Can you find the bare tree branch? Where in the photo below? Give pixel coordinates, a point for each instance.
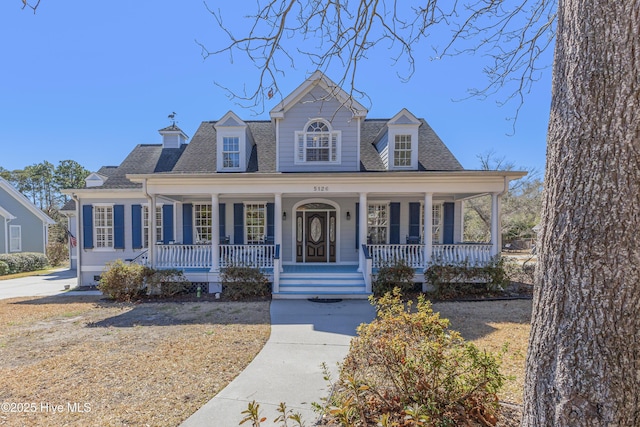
(30, 5)
(513, 34)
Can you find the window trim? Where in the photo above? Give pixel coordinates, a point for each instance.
(440, 238)
(335, 139)
(196, 234)
(13, 239)
(387, 206)
(246, 226)
(224, 151)
(397, 151)
(145, 227)
(109, 228)
(223, 133)
(401, 130)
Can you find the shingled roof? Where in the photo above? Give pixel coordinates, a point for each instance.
(145, 158)
(199, 156)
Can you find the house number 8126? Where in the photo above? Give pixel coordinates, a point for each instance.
(321, 188)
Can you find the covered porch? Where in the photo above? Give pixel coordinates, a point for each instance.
(276, 224)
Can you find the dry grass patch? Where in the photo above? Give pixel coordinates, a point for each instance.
(129, 364)
(491, 325)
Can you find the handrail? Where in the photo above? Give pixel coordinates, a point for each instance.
(365, 250)
(145, 252)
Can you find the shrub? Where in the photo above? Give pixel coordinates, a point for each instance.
(486, 278)
(121, 281)
(165, 283)
(393, 275)
(241, 282)
(4, 268)
(407, 368)
(25, 261)
(57, 253)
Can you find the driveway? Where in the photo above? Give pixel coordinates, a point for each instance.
(36, 286)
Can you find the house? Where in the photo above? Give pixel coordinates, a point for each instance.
(319, 196)
(23, 227)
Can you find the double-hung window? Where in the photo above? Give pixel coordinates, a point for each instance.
(146, 225)
(318, 143)
(402, 151)
(230, 152)
(378, 223)
(436, 223)
(15, 238)
(202, 222)
(103, 226)
(255, 222)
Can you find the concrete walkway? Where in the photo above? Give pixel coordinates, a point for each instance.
(304, 334)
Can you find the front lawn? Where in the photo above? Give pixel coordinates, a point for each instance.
(83, 361)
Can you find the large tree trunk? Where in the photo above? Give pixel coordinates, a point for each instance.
(583, 366)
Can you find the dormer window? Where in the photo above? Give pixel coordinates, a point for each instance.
(399, 147)
(402, 151)
(230, 152)
(318, 143)
(234, 144)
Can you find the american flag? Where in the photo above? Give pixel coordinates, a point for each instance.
(72, 240)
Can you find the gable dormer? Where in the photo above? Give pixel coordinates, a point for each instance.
(233, 144)
(398, 147)
(318, 128)
(173, 137)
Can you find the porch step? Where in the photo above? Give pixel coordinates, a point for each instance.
(321, 285)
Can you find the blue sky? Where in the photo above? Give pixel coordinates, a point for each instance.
(88, 81)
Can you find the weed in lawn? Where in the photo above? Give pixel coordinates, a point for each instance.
(69, 314)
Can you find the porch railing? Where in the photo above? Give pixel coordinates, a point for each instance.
(413, 254)
(200, 256)
(473, 254)
(183, 256)
(381, 255)
(260, 256)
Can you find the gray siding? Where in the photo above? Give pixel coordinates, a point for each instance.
(313, 105)
(383, 148)
(32, 228)
(3, 248)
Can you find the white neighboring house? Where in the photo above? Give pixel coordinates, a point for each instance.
(318, 197)
(23, 227)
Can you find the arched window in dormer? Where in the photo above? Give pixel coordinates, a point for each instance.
(318, 143)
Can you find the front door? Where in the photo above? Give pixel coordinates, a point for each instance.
(316, 241)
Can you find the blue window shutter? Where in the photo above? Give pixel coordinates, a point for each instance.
(136, 226)
(222, 218)
(414, 219)
(87, 226)
(447, 223)
(271, 229)
(238, 223)
(118, 226)
(167, 223)
(187, 223)
(357, 215)
(394, 223)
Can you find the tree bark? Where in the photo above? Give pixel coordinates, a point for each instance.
(583, 365)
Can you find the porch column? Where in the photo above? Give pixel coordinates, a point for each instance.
(428, 228)
(362, 230)
(495, 224)
(215, 233)
(277, 240)
(152, 231)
